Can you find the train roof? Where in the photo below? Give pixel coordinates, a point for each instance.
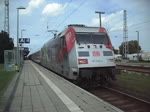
(80, 28)
(86, 29)
(77, 28)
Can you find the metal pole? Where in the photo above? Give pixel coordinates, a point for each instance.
(100, 20)
(21, 45)
(22, 33)
(6, 18)
(99, 12)
(125, 35)
(137, 45)
(18, 54)
(18, 61)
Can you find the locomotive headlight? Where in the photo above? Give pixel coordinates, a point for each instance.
(75, 71)
(83, 61)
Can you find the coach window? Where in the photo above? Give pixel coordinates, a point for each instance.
(100, 38)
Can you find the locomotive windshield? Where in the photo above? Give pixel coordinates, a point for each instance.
(92, 38)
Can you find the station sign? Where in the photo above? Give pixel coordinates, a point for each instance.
(21, 40)
(24, 40)
(27, 40)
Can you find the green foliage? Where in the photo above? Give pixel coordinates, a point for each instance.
(5, 77)
(132, 47)
(6, 43)
(116, 51)
(135, 82)
(1, 67)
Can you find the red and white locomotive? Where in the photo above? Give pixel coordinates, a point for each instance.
(79, 53)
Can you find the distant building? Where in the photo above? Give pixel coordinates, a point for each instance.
(118, 57)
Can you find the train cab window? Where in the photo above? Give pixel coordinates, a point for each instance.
(83, 38)
(99, 38)
(92, 38)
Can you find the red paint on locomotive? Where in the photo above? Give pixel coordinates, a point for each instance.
(109, 45)
(70, 39)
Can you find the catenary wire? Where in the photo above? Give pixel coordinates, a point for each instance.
(70, 14)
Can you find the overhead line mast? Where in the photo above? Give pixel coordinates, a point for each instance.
(125, 34)
(6, 17)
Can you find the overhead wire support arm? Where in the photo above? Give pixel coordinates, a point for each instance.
(54, 32)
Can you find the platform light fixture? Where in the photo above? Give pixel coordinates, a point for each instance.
(99, 12)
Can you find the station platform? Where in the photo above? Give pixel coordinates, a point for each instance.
(36, 89)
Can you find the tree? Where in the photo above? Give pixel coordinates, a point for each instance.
(116, 51)
(132, 47)
(6, 43)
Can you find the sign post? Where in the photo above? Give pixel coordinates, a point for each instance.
(22, 41)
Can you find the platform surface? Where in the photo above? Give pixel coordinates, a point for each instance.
(37, 89)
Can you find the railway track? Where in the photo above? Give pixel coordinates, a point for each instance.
(139, 69)
(121, 100)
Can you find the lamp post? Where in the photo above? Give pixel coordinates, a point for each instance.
(22, 35)
(21, 50)
(22, 32)
(99, 12)
(137, 45)
(18, 57)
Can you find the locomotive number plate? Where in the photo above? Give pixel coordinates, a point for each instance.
(97, 61)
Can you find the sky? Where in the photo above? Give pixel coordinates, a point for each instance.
(40, 16)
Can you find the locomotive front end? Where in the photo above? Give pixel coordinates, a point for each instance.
(95, 56)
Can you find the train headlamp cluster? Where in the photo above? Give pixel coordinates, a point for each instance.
(83, 61)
